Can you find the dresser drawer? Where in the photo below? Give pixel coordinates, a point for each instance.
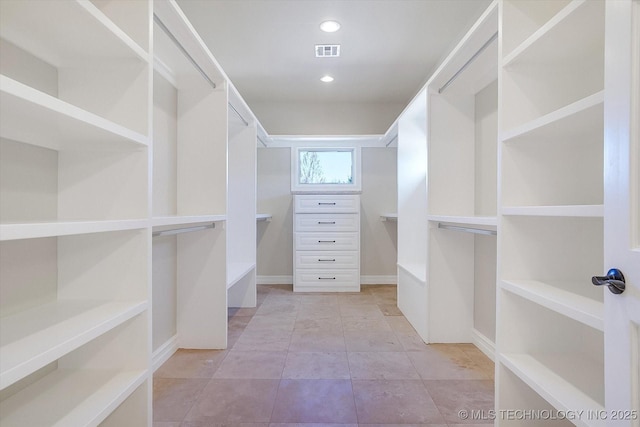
(327, 241)
(327, 278)
(327, 203)
(327, 259)
(327, 222)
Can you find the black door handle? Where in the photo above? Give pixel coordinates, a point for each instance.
(614, 280)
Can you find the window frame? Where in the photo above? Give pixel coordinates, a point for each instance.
(354, 187)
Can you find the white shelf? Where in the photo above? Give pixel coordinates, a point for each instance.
(59, 125)
(558, 39)
(587, 211)
(263, 217)
(583, 116)
(36, 337)
(70, 398)
(237, 270)
(414, 269)
(166, 221)
(577, 307)
(66, 32)
(563, 395)
(32, 230)
(479, 221)
(389, 217)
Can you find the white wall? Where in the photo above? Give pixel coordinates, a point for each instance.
(275, 238)
(297, 118)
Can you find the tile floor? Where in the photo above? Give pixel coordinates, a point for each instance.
(342, 359)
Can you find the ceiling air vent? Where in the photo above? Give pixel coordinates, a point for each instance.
(327, 50)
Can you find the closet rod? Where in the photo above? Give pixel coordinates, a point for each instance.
(246, 123)
(182, 49)
(466, 64)
(467, 229)
(392, 139)
(183, 230)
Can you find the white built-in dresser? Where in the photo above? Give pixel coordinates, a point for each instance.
(326, 243)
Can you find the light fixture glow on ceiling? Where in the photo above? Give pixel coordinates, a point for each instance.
(326, 79)
(330, 26)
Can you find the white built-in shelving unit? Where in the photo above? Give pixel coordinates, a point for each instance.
(550, 337)
(189, 188)
(447, 146)
(116, 198)
(75, 259)
(241, 199)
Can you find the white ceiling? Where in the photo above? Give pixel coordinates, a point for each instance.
(389, 49)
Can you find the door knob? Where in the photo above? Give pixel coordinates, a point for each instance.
(614, 280)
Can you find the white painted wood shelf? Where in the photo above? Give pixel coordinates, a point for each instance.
(237, 270)
(539, 373)
(477, 221)
(50, 39)
(414, 269)
(60, 125)
(586, 211)
(177, 221)
(393, 217)
(264, 217)
(36, 337)
(33, 230)
(577, 307)
(71, 398)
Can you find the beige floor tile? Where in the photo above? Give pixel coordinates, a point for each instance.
(219, 424)
(318, 300)
(191, 364)
(283, 322)
(252, 364)
(314, 401)
(403, 425)
(309, 323)
(311, 425)
(389, 309)
(394, 402)
(278, 307)
(316, 365)
(242, 312)
(166, 424)
(372, 341)
(357, 299)
(373, 322)
(327, 340)
(385, 365)
(399, 323)
(174, 397)
(263, 341)
(442, 361)
(235, 401)
(452, 396)
(360, 310)
(411, 341)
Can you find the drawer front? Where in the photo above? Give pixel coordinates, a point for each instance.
(329, 203)
(327, 278)
(327, 241)
(327, 259)
(327, 222)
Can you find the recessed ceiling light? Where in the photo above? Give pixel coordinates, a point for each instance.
(326, 79)
(330, 26)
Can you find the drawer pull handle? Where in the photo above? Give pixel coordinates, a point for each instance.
(326, 204)
(326, 278)
(326, 241)
(327, 260)
(326, 222)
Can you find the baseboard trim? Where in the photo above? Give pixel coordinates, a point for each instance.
(274, 280)
(484, 344)
(379, 280)
(164, 352)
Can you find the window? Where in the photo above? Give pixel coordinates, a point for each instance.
(325, 170)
